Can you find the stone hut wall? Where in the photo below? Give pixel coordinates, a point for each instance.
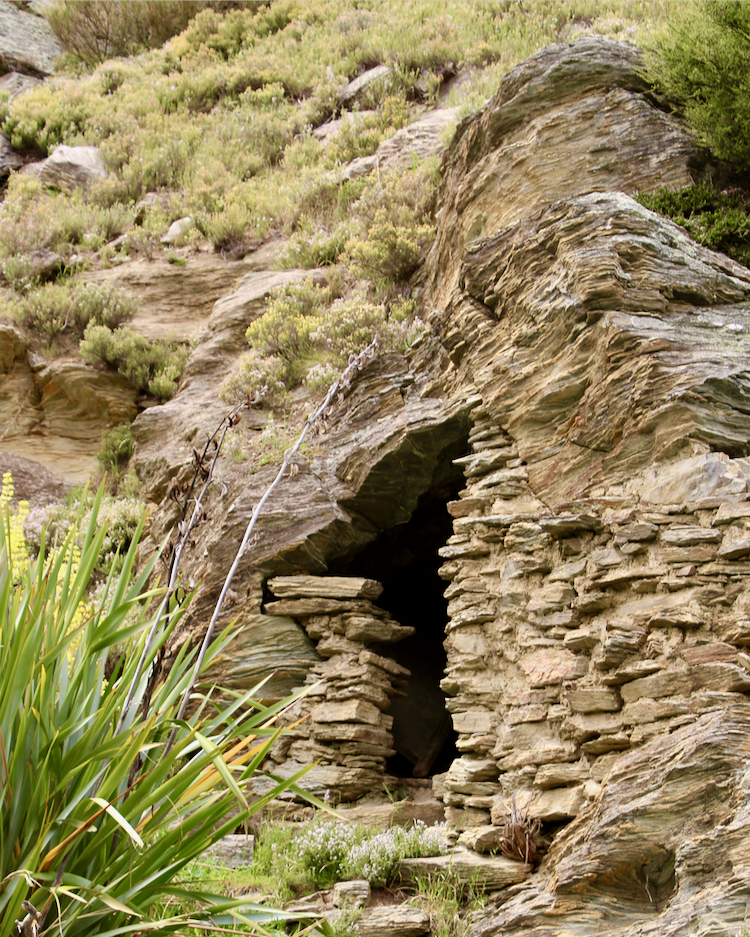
(578, 635)
(344, 725)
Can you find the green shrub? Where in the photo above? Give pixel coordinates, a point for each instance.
(307, 335)
(308, 248)
(257, 379)
(716, 219)
(389, 251)
(120, 515)
(352, 323)
(56, 308)
(335, 851)
(395, 226)
(117, 448)
(153, 367)
(93, 827)
(95, 30)
(702, 63)
(283, 331)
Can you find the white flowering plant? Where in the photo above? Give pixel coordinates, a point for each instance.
(334, 851)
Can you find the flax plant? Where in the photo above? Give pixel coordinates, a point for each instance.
(95, 820)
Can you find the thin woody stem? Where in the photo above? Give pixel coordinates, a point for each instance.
(353, 365)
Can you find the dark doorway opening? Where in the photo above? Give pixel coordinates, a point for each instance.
(405, 560)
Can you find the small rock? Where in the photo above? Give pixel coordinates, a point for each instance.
(735, 549)
(234, 851)
(690, 536)
(177, 230)
(393, 920)
(354, 894)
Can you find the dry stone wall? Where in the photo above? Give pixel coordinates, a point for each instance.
(576, 636)
(344, 725)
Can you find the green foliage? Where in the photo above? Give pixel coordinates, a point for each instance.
(94, 834)
(121, 516)
(95, 30)
(57, 308)
(352, 323)
(32, 219)
(702, 63)
(308, 334)
(153, 367)
(334, 851)
(394, 226)
(449, 902)
(283, 331)
(716, 219)
(117, 448)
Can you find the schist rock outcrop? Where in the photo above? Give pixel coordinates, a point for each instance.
(518, 558)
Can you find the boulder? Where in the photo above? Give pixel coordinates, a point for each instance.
(72, 167)
(356, 86)
(177, 231)
(15, 83)
(27, 44)
(9, 159)
(414, 143)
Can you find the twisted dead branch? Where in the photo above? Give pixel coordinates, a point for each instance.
(183, 532)
(338, 386)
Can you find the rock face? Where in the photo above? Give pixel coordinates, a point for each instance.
(55, 413)
(27, 44)
(662, 851)
(580, 404)
(175, 300)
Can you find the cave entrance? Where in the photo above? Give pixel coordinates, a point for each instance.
(405, 559)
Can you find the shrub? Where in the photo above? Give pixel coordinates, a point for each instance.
(98, 808)
(59, 307)
(334, 851)
(719, 220)
(117, 448)
(95, 30)
(153, 367)
(309, 249)
(389, 251)
(283, 331)
(234, 229)
(121, 516)
(308, 334)
(395, 226)
(256, 379)
(352, 323)
(701, 62)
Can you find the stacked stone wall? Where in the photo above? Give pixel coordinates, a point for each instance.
(344, 726)
(578, 634)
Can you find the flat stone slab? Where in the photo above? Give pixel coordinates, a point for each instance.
(324, 587)
(393, 920)
(467, 866)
